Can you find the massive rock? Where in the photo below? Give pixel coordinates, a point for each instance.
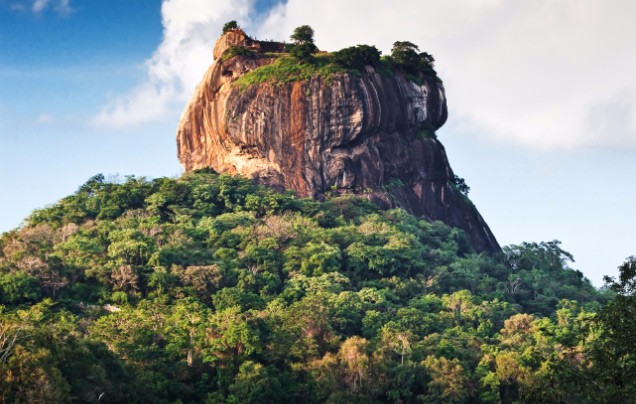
(370, 135)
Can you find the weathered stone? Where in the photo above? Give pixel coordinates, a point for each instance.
(369, 135)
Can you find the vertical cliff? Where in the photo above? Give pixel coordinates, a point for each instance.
(369, 134)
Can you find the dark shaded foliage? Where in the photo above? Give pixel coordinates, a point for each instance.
(357, 57)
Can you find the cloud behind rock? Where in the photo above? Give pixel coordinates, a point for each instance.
(175, 68)
(544, 74)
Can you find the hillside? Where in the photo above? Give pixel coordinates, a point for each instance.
(212, 288)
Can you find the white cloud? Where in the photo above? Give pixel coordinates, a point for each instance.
(44, 119)
(39, 5)
(176, 67)
(60, 6)
(546, 73)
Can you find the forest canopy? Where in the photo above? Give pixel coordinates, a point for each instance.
(211, 288)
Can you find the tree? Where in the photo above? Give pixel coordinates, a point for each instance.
(303, 34)
(547, 256)
(255, 383)
(19, 288)
(426, 64)
(460, 184)
(354, 363)
(404, 53)
(448, 383)
(357, 57)
(427, 59)
(232, 337)
(304, 47)
(625, 286)
(615, 355)
(231, 25)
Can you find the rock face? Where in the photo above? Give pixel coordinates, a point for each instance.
(370, 135)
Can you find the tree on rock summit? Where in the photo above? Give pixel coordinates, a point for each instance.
(304, 46)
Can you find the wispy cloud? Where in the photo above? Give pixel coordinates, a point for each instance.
(44, 119)
(62, 7)
(547, 74)
(176, 67)
(39, 5)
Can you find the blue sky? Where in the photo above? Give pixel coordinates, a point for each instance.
(540, 97)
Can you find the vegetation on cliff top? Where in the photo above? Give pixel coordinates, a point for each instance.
(304, 47)
(210, 288)
(303, 61)
(286, 69)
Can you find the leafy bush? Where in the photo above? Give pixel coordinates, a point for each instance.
(19, 288)
(357, 57)
(233, 51)
(286, 69)
(404, 54)
(304, 47)
(460, 185)
(228, 26)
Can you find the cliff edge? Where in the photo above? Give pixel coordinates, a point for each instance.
(367, 133)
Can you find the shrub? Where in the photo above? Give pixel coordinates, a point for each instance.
(19, 288)
(303, 34)
(404, 54)
(237, 51)
(304, 52)
(460, 185)
(304, 47)
(356, 57)
(230, 26)
(287, 69)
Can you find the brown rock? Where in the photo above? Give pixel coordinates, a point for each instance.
(367, 135)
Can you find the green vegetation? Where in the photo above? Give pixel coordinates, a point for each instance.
(233, 51)
(304, 47)
(615, 351)
(357, 57)
(228, 26)
(405, 55)
(301, 61)
(460, 185)
(286, 69)
(209, 288)
(393, 183)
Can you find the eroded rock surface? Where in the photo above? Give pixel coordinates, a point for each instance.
(370, 135)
